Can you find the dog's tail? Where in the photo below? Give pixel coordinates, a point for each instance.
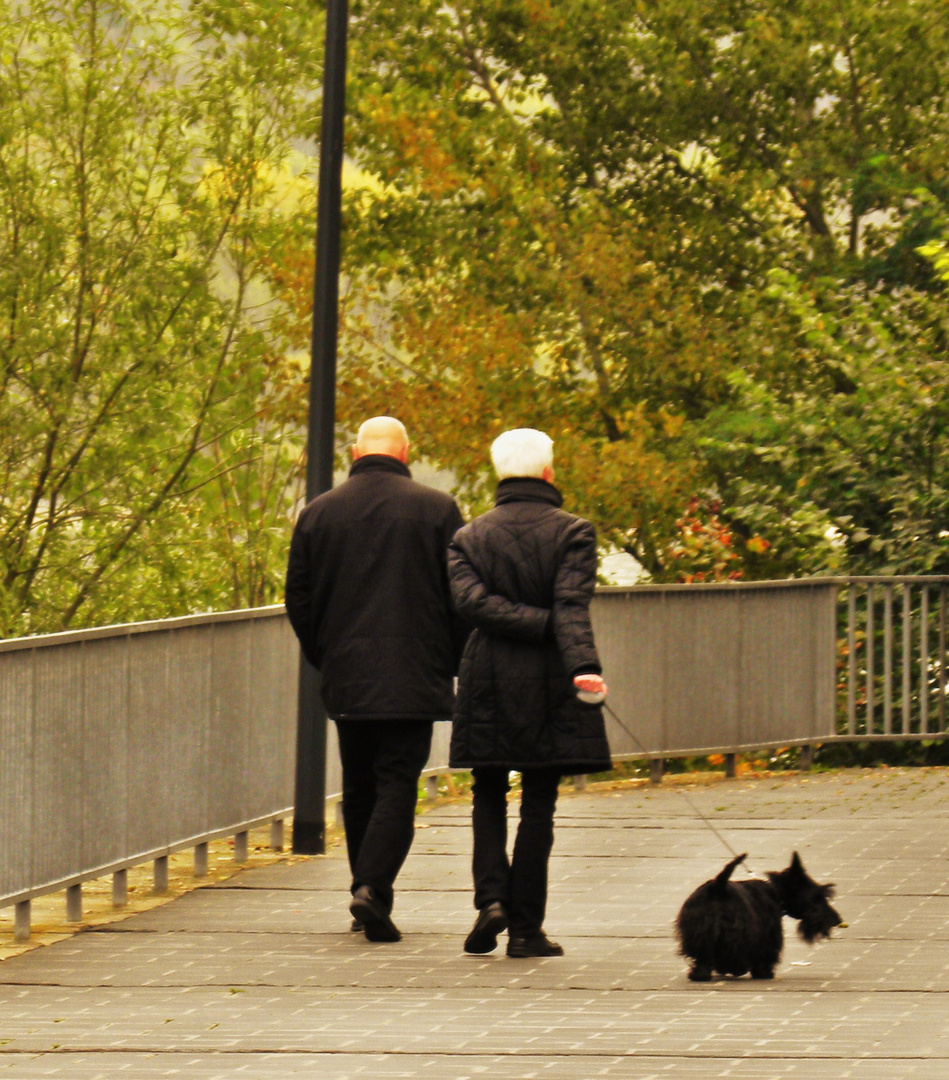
(722, 880)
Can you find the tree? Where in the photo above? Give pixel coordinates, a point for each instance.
(145, 172)
(851, 470)
(570, 220)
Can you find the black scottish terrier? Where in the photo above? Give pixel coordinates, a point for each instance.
(735, 927)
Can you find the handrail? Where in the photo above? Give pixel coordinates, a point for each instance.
(121, 630)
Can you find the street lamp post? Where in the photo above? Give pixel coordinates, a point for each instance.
(309, 819)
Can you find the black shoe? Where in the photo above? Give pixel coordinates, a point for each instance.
(536, 945)
(367, 909)
(484, 935)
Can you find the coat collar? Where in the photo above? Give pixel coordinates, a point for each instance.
(527, 489)
(380, 462)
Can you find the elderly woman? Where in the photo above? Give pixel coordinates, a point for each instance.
(529, 686)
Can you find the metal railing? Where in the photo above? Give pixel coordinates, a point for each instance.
(718, 668)
(738, 667)
(122, 745)
(892, 658)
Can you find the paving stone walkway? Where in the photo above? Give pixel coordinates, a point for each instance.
(259, 977)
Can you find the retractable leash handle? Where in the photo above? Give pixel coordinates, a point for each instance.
(591, 689)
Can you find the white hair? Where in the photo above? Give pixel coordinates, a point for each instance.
(522, 452)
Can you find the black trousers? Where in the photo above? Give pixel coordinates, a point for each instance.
(382, 761)
(520, 883)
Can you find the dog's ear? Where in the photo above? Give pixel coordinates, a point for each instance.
(796, 865)
(829, 890)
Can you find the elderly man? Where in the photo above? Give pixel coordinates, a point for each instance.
(530, 683)
(367, 594)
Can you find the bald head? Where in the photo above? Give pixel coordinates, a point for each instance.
(382, 435)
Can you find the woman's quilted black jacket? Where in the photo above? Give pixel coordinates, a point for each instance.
(523, 576)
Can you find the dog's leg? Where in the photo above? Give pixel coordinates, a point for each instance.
(700, 973)
(762, 972)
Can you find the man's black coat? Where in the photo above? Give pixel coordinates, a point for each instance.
(523, 576)
(367, 594)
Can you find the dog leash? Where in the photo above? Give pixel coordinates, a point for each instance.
(695, 809)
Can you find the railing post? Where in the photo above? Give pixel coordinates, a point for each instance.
(74, 903)
(871, 643)
(852, 659)
(907, 657)
(656, 767)
(161, 876)
(22, 920)
(120, 888)
(201, 860)
(276, 835)
(240, 847)
(924, 659)
(942, 658)
(888, 659)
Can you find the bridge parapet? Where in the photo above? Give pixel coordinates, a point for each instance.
(122, 745)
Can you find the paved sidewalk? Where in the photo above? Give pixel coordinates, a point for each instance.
(260, 977)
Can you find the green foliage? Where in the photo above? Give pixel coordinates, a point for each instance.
(850, 469)
(144, 180)
(701, 242)
(689, 239)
